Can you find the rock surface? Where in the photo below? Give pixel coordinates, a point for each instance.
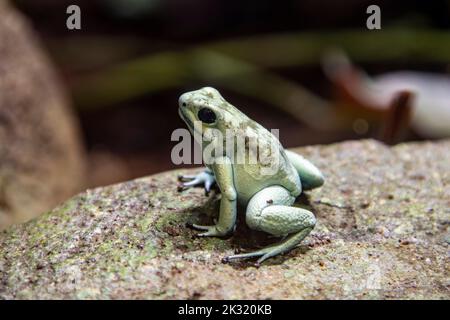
(383, 232)
(39, 138)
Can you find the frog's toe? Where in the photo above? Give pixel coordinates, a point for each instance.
(192, 183)
(265, 257)
(200, 227)
(181, 186)
(246, 255)
(264, 254)
(211, 231)
(208, 185)
(205, 179)
(184, 178)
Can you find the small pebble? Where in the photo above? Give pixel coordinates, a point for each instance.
(408, 241)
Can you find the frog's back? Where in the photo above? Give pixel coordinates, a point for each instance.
(272, 167)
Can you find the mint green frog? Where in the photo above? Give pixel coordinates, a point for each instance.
(268, 198)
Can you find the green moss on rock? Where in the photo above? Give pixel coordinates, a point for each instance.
(383, 219)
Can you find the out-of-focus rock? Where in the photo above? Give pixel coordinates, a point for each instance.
(383, 229)
(41, 158)
(358, 95)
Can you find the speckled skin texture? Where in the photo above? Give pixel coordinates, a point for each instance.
(266, 186)
(249, 178)
(382, 232)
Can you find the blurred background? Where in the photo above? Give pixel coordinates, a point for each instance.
(304, 67)
(131, 60)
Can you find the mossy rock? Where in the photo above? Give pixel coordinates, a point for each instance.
(383, 232)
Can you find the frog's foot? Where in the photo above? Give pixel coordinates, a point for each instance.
(205, 179)
(288, 244)
(210, 231)
(269, 210)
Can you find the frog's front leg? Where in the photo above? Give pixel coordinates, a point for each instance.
(205, 179)
(223, 171)
(270, 211)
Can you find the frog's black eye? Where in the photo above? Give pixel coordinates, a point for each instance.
(206, 115)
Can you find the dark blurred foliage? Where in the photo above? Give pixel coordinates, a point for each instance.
(198, 20)
(131, 137)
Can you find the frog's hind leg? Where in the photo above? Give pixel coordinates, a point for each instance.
(270, 211)
(310, 176)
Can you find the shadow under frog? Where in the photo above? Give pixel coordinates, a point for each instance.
(243, 239)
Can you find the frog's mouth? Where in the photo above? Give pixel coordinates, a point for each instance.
(196, 133)
(187, 120)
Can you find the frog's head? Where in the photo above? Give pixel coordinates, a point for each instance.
(208, 109)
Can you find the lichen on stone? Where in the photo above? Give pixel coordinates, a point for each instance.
(382, 233)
